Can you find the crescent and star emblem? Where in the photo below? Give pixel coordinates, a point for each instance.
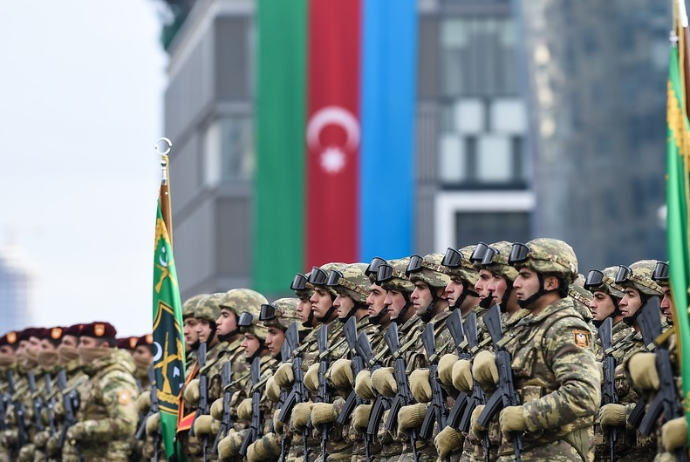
(333, 158)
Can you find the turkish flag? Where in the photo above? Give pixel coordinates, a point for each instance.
(333, 132)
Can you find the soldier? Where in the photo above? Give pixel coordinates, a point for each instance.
(127, 344)
(191, 337)
(463, 275)
(8, 344)
(107, 415)
(553, 365)
(142, 355)
(379, 313)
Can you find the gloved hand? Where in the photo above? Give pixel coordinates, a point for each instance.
(217, 409)
(612, 415)
(484, 369)
(215, 426)
(202, 425)
(642, 367)
(445, 369)
(230, 445)
(77, 432)
(462, 376)
(364, 388)
(265, 448)
(26, 453)
(53, 445)
(153, 424)
(420, 385)
(511, 420)
(323, 414)
(144, 402)
(360, 417)
(41, 439)
(447, 440)
(341, 374)
(475, 426)
(384, 382)
(674, 434)
(244, 410)
(272, 390)
(191, 392)
(277, 424)
(311, 378)
(300, 415)
(284, 377)
(411, 416)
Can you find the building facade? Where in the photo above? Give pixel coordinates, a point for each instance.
(15, 280)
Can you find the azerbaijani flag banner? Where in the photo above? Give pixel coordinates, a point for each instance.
(677, 193)
(169, 361)
(335, 134)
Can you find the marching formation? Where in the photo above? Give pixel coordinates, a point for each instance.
(489, 352)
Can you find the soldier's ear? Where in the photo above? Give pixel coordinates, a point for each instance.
(551, 283)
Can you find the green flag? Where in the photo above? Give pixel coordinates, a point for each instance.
(677, 144)
(169, 361)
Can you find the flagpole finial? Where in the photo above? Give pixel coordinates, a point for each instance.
(168, 147)
(673, 37)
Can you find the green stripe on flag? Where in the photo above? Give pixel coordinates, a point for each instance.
(678, 132)
(279, 184)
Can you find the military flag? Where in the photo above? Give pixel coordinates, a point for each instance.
(169, 360)
(677, 200)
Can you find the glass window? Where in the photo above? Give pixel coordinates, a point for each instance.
(228, 150)
(453, 159)
(469, 116)
(472, 227)
(508, 116)
(495, 160)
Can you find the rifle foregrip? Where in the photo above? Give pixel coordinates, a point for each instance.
(467, 416)
(494, 405)
(637, 413)
(428, 423)
(456, 413)
(375, 416)
(348, 407)
(391, 423)
(286, 410)
(651, 416)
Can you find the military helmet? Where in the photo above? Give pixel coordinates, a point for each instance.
(581, 296)
(281, 314)
(241, 300)
(250, 324)
(428, 269)
(495, 260)
(391, 276)
(373, 268)
(189, 305)
(318, 276)
(301, 286)
(604, 281)
(350, 280)
(639, 276)
(458, 264)
(545, 255)
(208, 307)
(660, 275)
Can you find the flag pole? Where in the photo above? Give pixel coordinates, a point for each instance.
(165, 188)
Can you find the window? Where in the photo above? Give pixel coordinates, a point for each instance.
(229, 150)
(473, 227)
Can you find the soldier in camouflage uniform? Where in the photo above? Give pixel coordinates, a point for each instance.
(142, 355)
(379, 313)
(8, 345)
(107, 415)
(553, 364)
(638, 287)
(463, 276)
(191, 337)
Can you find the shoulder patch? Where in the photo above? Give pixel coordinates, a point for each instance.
(124, 397)
(582, 338)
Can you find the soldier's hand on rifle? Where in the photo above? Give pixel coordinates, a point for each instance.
(445, 369)
(217, 409)
(612, 415)
(462, 376)
(272, 390)
(277, 424)
(203, 425)
(192, 393)
(642, 367)
(41, 439)
(244, 410)
(323, 414)
(447, 440)
(384, 382)
(284, 376)
(420, 385)
(360, 417)
(364, 388)
(340, 374)
(311, 378)
(511, 420)
(484, 369)
(78, 432)
(266, 448)
(674, 434)
(230, 445)
(153, 424)
(53, 445)
(411, 416)
(475, 426)
(300, 415)
(144, 402)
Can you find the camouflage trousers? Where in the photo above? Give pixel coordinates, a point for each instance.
(557, 451)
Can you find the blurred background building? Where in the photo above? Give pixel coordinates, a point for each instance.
(15, 280)
(534, 118)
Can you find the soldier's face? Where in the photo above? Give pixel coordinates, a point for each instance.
(91, 342)
(454, 290)
(321, 302)
(34, 345)
(667, 303)
(601, 306)
(22, 346)
(343, 305)
(227, 322)
(497, 286)
(630, 303)
(376, 300)
(421, 297)
(6, 350)
(303, 309)
(526, 284)
(481, 287)
(251, 345)
(189, 330)
(274, 341)
(70, 341)
(143, 353)
(47, 346)
(203, 330)
(396, 302)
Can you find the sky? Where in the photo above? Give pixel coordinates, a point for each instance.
(81, 104)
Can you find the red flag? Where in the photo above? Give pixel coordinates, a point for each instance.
(333, 131)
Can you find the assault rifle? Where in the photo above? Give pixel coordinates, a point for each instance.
(254, 430)
(285, 354)
(381, 402)
(608, 386)
(5, 398)
(203, 397)
(357, 366)
(322, 394)
(454, 323)
(70, 402)
(154, 409)
(403, 396)
(437, 411)
(226, 422)
(19, 413)
(505, 395)
(666, 398)
(36, 402)
(51, 404)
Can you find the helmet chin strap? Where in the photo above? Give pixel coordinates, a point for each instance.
(461, 299)
(329, 313)
(616, 312)
(485, 302)
(534, 297)
(228, 336)
(428, 314)
(309, 323)
(405, 309)
(353, 310)
(630, 320)
(506, 296)
(377, 318)
(214, 328)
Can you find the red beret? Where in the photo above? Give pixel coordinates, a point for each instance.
(98, 330)
(74, 330)
(26, 334)
(10, 338)
(145, 340)
(127, 343)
